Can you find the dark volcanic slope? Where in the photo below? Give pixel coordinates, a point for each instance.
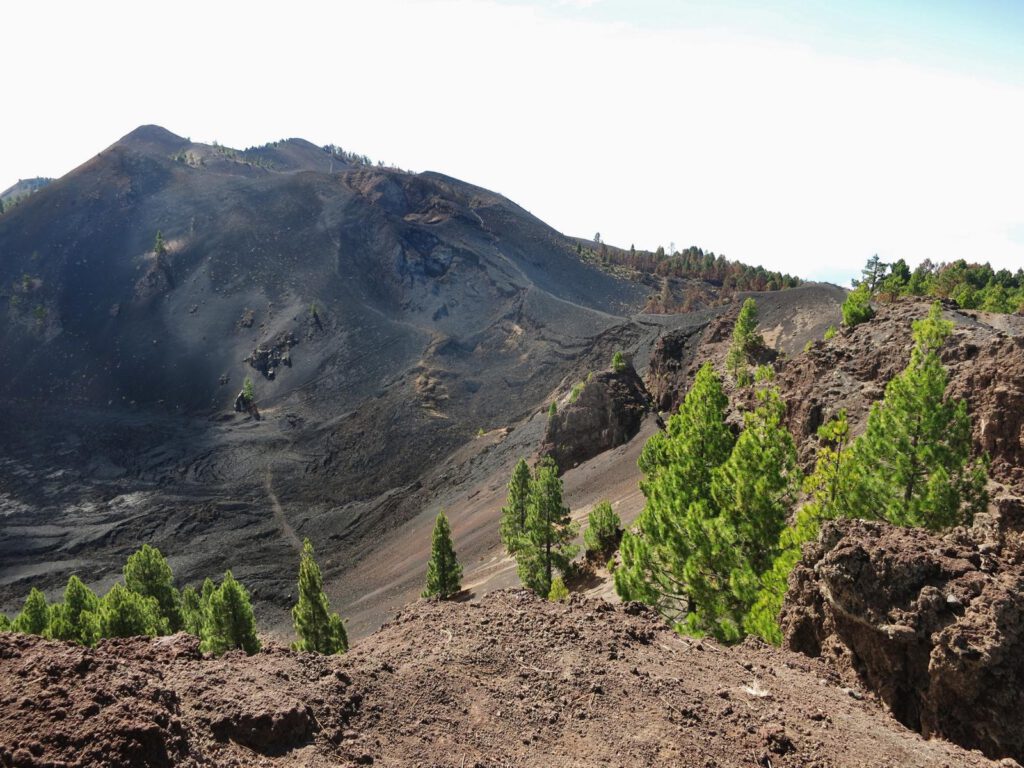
(384, 316)
(392, 261)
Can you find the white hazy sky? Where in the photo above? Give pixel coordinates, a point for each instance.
(799, 141)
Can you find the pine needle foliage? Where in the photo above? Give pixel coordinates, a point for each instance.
(914, 460)
(124, 613)
(604, 529)
(546, 545)
(677, 465)
(229, 619)
(248, 391)
(35, 614)
(828, 494)
(715, 509)
(317, 628)
(147, 573)
(77, 618)
(752, 493)
(857, 306)
(444, 574)
(746, 341)
(513, 515)
(559, 591)
(193, 611)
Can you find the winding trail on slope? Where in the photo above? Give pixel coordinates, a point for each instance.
(282, 521)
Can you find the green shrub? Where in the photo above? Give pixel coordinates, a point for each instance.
(248, 391)
(604, 529)
(559, 591)
(857, 307)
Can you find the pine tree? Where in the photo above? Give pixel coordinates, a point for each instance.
(34, 616)
(546, 544)
(192, 611)
(317, 628)
(76, 618)
(604, 528)
(828, 491)
(914, 460)
(714, 511)
(513, 514)
(248, 391)
(58, 625)
(753, 492)
(677, 466)
(208, 588)
(159, 246)
(872, 275)
(755, 488)
(745, 342)
(147, 573)
(5, 623)
(124, 613)
(618, 363)
(444, 573)
(229, 619)
(857, 307)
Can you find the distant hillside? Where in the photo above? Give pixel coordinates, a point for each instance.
(683, 281)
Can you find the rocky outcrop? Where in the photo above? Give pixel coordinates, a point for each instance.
(934, 625)
(984, 356)
(607, 413)
(243, 404)
(671, 368)
(157, 280)
(267, 358)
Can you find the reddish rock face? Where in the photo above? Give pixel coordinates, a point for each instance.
(984, 356)
(935, 626)
(607, 414)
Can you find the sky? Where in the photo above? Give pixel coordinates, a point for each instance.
(802, 136)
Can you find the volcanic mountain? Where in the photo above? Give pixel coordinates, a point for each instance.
(386, 319)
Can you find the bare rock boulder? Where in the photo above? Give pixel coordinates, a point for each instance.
(608, 413)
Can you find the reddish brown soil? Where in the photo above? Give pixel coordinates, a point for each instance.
(511, 680)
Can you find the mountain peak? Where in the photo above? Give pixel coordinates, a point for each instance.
(152, 137)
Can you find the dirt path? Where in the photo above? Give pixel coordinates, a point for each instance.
(279, 518)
